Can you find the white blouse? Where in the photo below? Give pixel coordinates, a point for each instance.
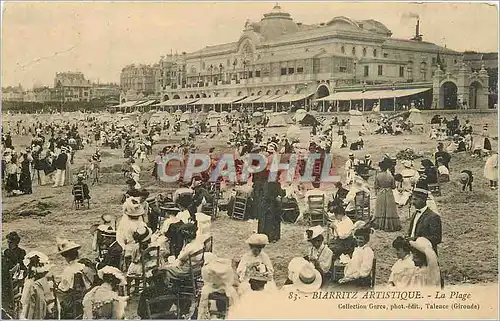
(360, 264)
(343, 228)
(402, 271)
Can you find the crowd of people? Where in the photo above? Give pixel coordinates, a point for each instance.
(161, 241)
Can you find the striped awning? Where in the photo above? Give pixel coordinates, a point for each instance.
(290, 98)
(373, 94)
(266, 99)
(146, 103)
(129, 103)
(218, 100)
(249, 99)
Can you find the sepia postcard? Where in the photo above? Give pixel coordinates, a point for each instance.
(249, 160)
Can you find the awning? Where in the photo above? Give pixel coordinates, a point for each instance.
(128, 103)
(373, 94)
(178, 102)
(218, 100)
(249, 99)
(266, 99)
(290, 98)
(147, 103)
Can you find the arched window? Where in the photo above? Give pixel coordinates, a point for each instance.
(228, 62)
(353, 51)
(203, 65)
(193, 70)
(374, 52)
(364, 52)
(342, 49)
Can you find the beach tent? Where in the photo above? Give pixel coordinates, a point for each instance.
(277, 120)
(306, 119)
(185, 116)
(416, 117)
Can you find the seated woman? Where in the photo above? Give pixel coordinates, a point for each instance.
(254, 257)
(358, 270)
(350, 199)
(37, 299)
(218, 293)
(180, 268)
(142, 238)
(404, 268)
(104, 301)
(290, 206)
(443, 172)
(343, 241)
(319, 255)
(427, 273)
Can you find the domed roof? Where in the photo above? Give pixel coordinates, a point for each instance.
(276, 23)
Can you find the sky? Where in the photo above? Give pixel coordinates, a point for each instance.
(99, 39)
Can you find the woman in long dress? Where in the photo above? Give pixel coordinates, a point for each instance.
(104, 301)
(386, 214)
(427, 272)
(491, 170)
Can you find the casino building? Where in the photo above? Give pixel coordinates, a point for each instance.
(278, 63)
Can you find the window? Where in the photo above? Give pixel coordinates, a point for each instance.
(300, 70)
(342, 49)
(283, 71)
(374, 52)
(203, 65)
(386, 55)
(257, 73)
(433, 60)
(455, 61)
(380, 70)
(353, 51)
(367, 71)
(228, 63)
(291, 71)
(342, 69)
(401, 71)
(364, 52)
(250, 74)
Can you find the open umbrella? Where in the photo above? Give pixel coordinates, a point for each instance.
(257, 114)
(301, 111)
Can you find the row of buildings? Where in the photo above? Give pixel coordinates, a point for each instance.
(279, 56)
(68, 86)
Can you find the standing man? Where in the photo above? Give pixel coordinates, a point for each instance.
(425, 222)
(60, 166)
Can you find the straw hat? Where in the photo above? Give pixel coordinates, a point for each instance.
(64, 245)
(406, 163)
(133, 207)
(106, 230)
(111, 270)
(295, 266)
(37, 261)
(308, 279)
(314, 232)
(257, 239)
(421, 244)
(107, 218)
(421, 192)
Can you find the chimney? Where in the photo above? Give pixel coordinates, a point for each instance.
(418, 36)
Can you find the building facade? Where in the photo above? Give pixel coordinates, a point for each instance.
(38, 95)
(139, 78)
(278, 56)
(71, 86)
(13, 93)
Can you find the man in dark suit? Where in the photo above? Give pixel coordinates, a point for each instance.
(339, 192)
(424, 222)
(112, 251)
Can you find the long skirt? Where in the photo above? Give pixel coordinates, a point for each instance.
(11, 183)
(386, 213)
(25, 182)
(270, 212)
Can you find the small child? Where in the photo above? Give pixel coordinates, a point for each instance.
(143, 238)
(466, 178)
(444, 173)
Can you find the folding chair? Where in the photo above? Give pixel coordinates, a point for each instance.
(362, 206)
(208, 244)
(78, 197)
(192, 287)
(145, 258)
(155, 310)
(240, 206)
(317, 214)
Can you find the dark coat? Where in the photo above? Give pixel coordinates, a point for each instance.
(112, 257)
(428, 226)
(60, 161)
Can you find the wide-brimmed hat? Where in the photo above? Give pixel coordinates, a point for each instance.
(64, 245)
(368, 156)
(351, 154)
(218, 272)
(130, 181)
(464, 177)
(258, 239)
(420, 192)
(80, 176)
(314, 232)
(37, 262)
(308, 279)
(107, 218)
(421, 244)
(421, 169)
(133, 207)
(295, 266)
(111, 270)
